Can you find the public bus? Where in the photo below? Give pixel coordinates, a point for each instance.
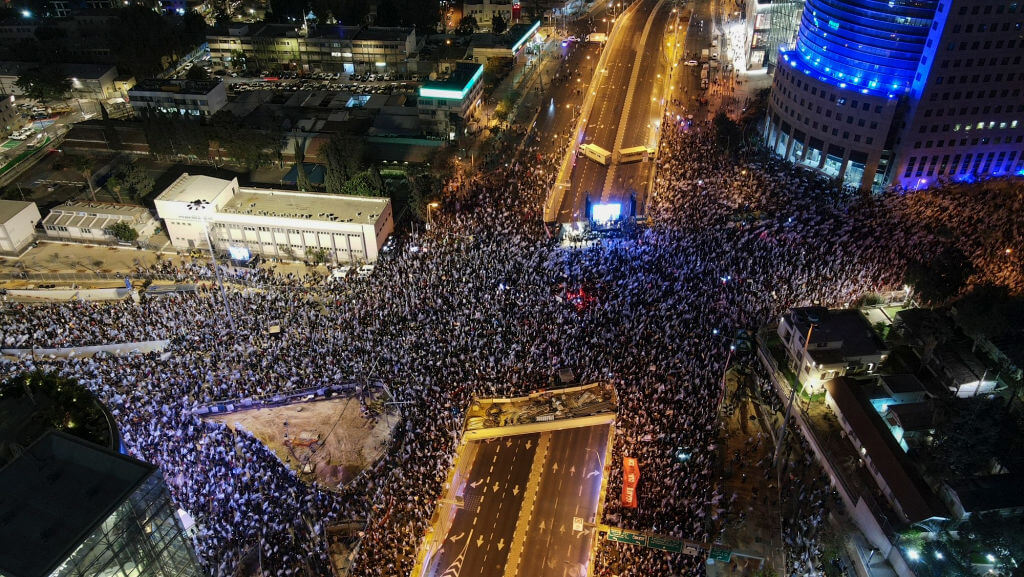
(635, 154)
(596, 153)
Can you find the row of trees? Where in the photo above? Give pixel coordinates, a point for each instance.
(143, 41)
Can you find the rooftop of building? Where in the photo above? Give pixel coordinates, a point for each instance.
(194, 187)
(902, 384)
(197, 87)
(457, 84)
(914, 416)
(338, 31)
(54, 495)
(385, 34)
(10, 208)
(306, 206)
(88, 71)
(90, 208)
(908, 489)
(846, 325)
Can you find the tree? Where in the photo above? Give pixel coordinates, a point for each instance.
(238, 60)
(133, 180)
(498, 24)
(1003, 537)
(197, 73)
(301, 179)
(967, 436)
(989, 311)
(728, 134)
(44, 83)
(467, 25)
(366, 183)
(344, 158)
(939, 279)
(316, 255)
(84, 166)
(123, 231)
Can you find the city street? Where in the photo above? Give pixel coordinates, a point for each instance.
(518, 505)
(626, 96)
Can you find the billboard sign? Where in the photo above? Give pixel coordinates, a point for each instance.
(630, 478)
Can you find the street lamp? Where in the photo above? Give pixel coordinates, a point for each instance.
(430, 220)
(199, 206)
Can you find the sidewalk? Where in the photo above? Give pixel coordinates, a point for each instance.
(750, 523)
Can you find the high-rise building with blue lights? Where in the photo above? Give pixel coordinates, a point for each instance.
(864, 94)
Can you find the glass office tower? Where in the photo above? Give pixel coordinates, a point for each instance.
(836, 90)
(74, 509)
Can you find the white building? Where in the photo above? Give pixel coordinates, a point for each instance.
(188, 97)
(445, 106)
(17, 224)
(485, 10)
(88, 221)
(842, 342)
(273, 223)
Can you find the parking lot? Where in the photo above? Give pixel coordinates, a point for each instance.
(322, 81)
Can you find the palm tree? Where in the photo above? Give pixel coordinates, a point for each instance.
(83, 164)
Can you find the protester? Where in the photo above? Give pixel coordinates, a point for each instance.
(479, 307)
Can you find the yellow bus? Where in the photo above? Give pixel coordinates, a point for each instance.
(596, 153)
(635, 154)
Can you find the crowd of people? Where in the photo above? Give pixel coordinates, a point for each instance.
(479, 307)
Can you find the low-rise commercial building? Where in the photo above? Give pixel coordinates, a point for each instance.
(484, 11)
(882, 455)
(335, 48)
(842, 342)
(446, 105)
(510, 45)
(188, 97)
(10, 118)
(89, 221)
(18, 221)
(273, 223)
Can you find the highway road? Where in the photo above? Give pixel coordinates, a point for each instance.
(571, 487)
(481, 533)
(518, 502)
(620, 118)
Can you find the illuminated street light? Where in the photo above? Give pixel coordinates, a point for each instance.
(913, 554)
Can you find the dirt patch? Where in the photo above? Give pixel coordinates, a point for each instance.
(329, 441)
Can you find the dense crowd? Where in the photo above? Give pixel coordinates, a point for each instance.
(478, 307)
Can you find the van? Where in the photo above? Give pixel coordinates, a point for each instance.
(341, 273)
(365, 270)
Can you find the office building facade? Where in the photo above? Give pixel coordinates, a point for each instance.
(273, 223)
(864, 94)
(75, 509)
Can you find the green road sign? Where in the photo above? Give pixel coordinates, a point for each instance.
(665, 544)
(722, 555)
(625, 536)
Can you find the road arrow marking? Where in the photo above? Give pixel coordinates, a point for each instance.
(592, 473)
(477, 484)
(528, 445)
(501, 545)
(480, 541)
(572, 470)
(555, 467)
(543, 525)
(508, 443)
(515, 490)
(455, 538)
(496, 486)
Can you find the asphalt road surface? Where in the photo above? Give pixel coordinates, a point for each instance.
(567, 483)
(478, 541)
(571, 487)
(612, 86)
